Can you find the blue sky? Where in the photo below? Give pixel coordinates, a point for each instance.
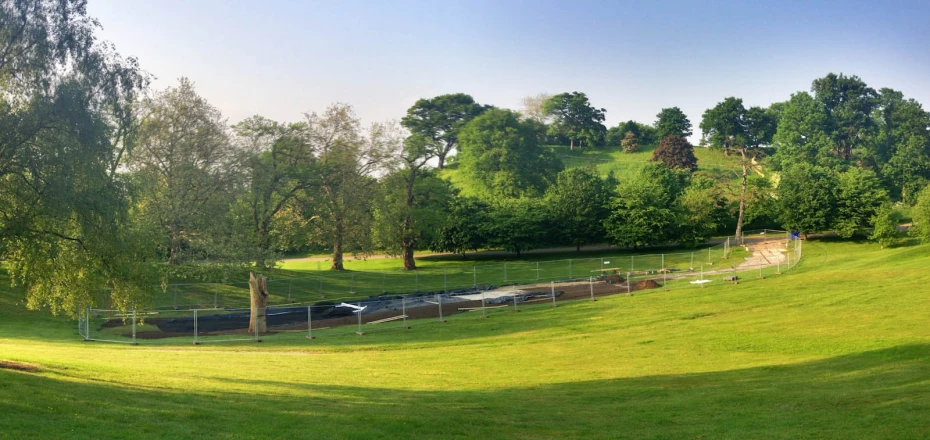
(282, 58)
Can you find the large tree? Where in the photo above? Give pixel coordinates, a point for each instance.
(859, 195)
(440, 119)
(501, 156)
(848, 103)
(730, 126)
(801, 135)
(805, 198)
(672, 122)
(900, 150)
(279, 163)
(349, 161)
(578, 204)
(184, 164)
(467, 227)
(412, 202)
(67, 115)
(575, 118)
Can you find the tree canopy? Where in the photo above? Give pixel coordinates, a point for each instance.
(575, 118)
(440, 119)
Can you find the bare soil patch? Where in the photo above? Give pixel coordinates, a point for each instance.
(10, 365)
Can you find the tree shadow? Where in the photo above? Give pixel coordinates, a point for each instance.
(875, 394)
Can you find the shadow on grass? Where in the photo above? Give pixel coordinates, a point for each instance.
(877, 394)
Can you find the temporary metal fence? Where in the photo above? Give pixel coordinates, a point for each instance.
(366, 302)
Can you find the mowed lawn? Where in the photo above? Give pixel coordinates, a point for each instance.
(838, 348)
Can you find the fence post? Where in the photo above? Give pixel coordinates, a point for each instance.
(708, 254)
(629, 283)
(134, 326)
(505, 272)
(403, 311)
(444, 281)
(196, 330)
(632, 263)
(569, 268)
(290, 284)
(552, 288)
(309, 323)
(87, 324)
(591, 284)
(474, 276)
(692, 261)
(484, 310)
(359, 313)
(439, 301)
(515, 309)
(537, 271)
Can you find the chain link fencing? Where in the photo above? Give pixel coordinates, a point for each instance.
(366, 302)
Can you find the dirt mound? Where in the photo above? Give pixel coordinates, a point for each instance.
(646, 284)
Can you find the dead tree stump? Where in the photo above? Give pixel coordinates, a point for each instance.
(258, 288)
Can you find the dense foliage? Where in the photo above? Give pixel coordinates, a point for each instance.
(101, 190)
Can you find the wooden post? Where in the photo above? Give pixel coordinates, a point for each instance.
(258, 290)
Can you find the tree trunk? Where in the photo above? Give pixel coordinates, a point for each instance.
(442, 160)
(742, 200)
(258, 289)
(577, 248)
(337, 250)
(409, 263)
(174, 248)
(571, 144)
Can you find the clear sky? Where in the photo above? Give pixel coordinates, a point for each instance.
(282, 58)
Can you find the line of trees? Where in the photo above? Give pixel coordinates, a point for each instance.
(107, 185)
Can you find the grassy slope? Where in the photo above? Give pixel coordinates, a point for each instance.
(838, 349)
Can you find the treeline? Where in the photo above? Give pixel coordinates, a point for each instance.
(106, 184)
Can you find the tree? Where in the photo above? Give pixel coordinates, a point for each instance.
(629, 142)
(578, 204)
(467, 227)
(900, 150)
(412, 202)
(348, 162)
(534, 107)
(848, 103)
(801, 135)
(440, 119)
(501, 157)
(675, 152)
(278, 164)
(184, 160)
(859, 195)
(921, 216)
(642, 213)
(672, 122)
(701, 211)
(519, 225)
(730, 126)
(805, 198)
(67, 113)
(885, 226)
(644, 134)
(575, 118)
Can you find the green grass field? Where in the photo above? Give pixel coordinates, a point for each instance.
(838, 348)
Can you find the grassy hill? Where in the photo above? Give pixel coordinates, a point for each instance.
(839, 348)
(624, 165)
